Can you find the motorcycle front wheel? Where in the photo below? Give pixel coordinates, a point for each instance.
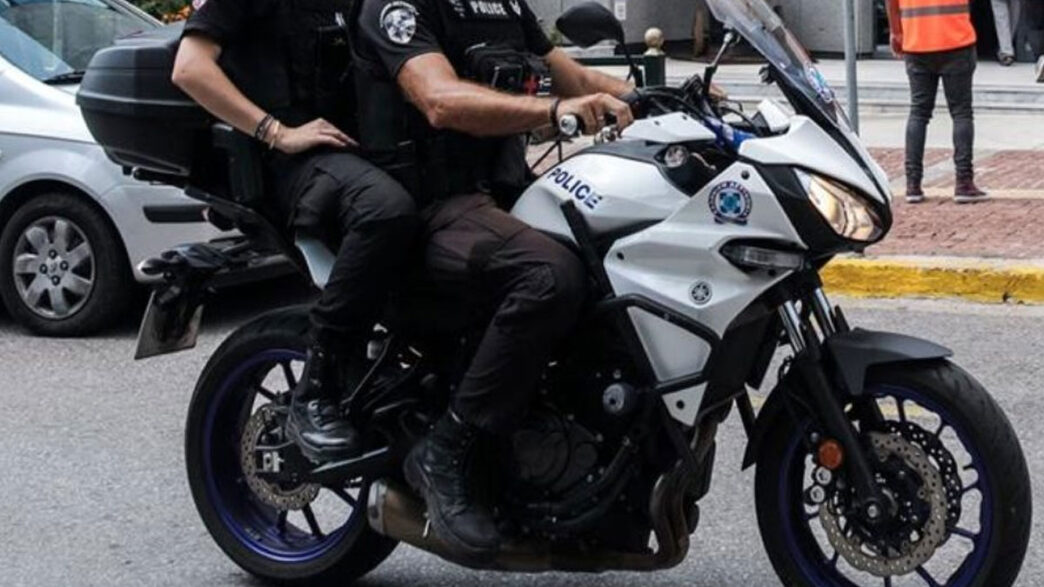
(300, 535)
(955, 476)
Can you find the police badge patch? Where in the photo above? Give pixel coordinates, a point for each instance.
(399, 21)
(730, 203)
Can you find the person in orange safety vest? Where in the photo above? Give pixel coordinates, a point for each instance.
(937, 40)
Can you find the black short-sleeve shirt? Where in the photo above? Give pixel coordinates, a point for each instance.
(224, 21)
(394, 31)
(291, 57)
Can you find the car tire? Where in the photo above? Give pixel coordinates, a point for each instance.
(52, 284)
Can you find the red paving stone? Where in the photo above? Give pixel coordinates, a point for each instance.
(1010, 229)
(1012, 170)
(894, 160)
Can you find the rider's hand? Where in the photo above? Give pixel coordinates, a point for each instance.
(593, 108)
(318, 133)
(897, 45)
(717, 93)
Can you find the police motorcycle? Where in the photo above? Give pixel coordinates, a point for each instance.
(703, 229)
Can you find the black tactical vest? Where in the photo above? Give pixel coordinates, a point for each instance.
(485, 43)
(296, 63)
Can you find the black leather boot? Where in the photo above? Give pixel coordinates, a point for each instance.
(437, 468)
(316, 423)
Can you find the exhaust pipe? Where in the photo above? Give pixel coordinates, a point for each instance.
(397, 514)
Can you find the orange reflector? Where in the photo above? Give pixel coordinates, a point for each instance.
(830, 454)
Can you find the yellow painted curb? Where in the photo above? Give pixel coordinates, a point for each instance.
(980, 281)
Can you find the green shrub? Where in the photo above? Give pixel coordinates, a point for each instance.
(162, 9)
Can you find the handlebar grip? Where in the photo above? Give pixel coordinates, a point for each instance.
(571, 125)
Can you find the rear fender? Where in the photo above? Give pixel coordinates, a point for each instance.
(850, 354)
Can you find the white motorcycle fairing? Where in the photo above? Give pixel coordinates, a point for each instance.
(677, 261)
(806, 145)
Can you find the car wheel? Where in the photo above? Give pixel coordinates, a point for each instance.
(63, 271)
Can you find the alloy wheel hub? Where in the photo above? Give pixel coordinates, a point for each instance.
(53, 267)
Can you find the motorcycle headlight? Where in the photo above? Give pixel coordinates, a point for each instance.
(846, 212)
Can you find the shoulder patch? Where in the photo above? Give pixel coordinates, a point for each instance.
(399, 21)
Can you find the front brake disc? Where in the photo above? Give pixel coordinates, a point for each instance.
(932, 534)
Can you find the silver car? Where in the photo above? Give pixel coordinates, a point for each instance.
(73, 226)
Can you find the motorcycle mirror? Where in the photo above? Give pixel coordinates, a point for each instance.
(731, 38)
(589, 23)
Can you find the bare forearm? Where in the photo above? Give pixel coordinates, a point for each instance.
(480, 111)
(448, 102)
(198, 74)
(895, 22)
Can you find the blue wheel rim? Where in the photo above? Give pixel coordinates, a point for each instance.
(253, 524)
(811, 560)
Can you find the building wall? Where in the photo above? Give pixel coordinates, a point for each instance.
(673, 16)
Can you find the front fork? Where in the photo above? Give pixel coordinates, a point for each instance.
(824, 398)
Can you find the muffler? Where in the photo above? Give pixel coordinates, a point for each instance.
(394, 512)
(399, 515)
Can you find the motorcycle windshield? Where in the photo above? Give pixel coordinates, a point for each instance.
(763, 29)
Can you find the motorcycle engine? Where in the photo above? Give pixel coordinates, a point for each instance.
(552, 453)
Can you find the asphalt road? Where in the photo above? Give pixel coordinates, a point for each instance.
(92, 488)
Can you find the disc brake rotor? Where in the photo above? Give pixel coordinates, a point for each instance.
(911, 553)
(264, 429)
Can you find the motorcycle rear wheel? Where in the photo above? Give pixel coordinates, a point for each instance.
(291, 547)
(934, 400)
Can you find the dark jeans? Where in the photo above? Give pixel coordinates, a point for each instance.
(956, 70)
(362, 214)
(483, 262)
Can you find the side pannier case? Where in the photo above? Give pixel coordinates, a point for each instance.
(136, 113)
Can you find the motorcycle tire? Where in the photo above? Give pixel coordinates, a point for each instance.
(340, 560)
(1002, 480)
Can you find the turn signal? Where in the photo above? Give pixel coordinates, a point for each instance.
(830, 455)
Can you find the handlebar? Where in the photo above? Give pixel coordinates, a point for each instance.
(572, 125)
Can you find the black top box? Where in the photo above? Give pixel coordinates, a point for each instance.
(136, 113)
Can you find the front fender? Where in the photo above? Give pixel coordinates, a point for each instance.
(852, 354)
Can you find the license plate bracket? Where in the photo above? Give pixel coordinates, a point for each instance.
(170, 327)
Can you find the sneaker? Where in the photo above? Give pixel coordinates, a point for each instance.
(1006, 60)
(914, 192)
(967, 192)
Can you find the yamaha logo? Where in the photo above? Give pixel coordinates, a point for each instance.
(701, 293)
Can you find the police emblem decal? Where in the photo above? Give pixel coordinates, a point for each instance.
(730, 203)
(399, 21)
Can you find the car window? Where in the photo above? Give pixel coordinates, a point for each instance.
(49, 39)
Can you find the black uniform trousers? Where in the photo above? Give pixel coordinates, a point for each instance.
(486, 262)
(362, 214)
